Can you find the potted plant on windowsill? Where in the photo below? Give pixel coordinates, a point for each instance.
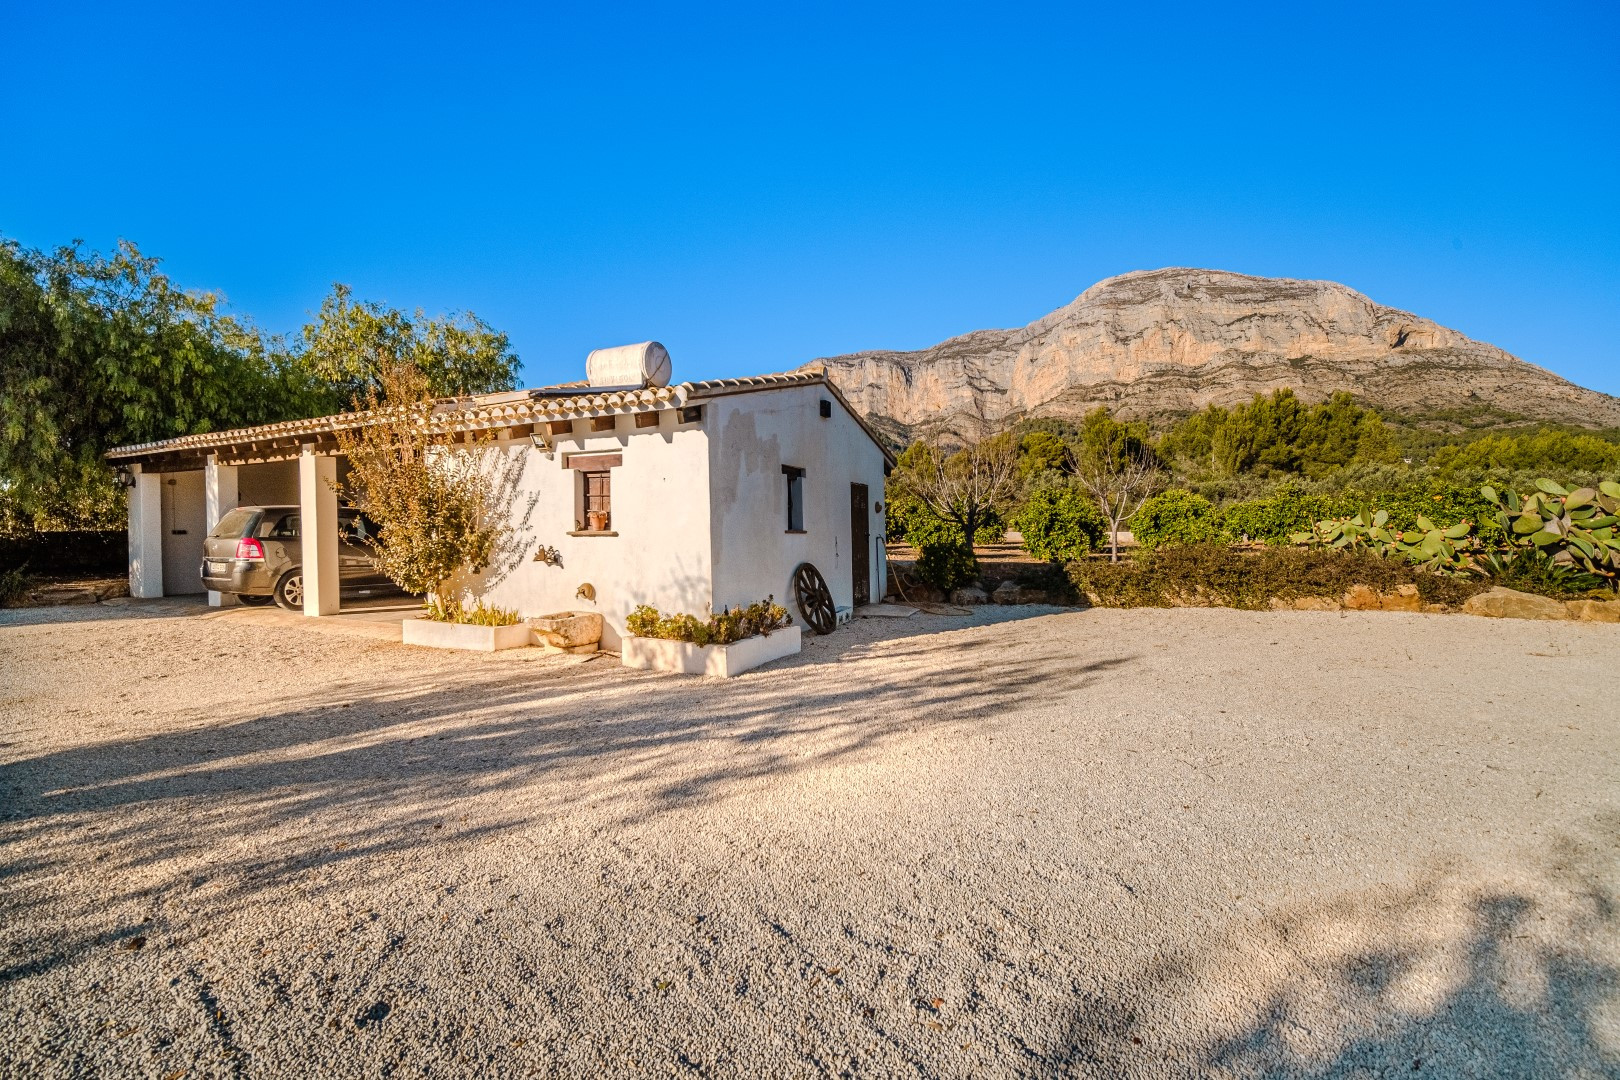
(727, 644)
(597, 521)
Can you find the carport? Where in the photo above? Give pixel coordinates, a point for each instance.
(180, 488)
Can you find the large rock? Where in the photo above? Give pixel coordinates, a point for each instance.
(1404, 598)
(969, 596)
(1362, 598)
(569, 631)
(1500, 603)
(1594, 610)
(1164, 342)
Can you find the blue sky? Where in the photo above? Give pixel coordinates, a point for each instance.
(756, 187)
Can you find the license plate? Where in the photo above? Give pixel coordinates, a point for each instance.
(216, 569)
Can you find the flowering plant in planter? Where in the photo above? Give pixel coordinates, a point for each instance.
(756, 620)
(478, 614)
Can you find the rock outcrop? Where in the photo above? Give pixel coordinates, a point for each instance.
(1159, 343)
(1500, 603)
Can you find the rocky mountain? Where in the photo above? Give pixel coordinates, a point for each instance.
(1161, 343)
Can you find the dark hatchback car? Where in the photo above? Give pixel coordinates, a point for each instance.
(256, 553)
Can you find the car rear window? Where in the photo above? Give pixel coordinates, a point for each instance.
(284, 527)
(236, 524)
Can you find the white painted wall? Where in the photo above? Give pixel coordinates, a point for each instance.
(146, 535)
(185, 525)
(267, 483)
(751, 437)
(661, 555)
(318, 531)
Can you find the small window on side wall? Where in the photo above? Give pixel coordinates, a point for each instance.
(593, 492)
(795, 498)
(597, 489)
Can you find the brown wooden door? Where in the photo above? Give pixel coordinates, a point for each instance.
(860, 544)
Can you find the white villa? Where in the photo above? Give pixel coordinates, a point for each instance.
(690, 497)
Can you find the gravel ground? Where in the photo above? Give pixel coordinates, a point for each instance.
(1020, 843)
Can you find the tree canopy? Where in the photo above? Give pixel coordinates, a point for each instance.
(352, 343)
(101, 350)
(1278, 433)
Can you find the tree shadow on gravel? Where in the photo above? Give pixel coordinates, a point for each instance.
(318, 780)
(1506, 977)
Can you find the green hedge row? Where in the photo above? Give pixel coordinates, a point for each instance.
(1178, 516)
(1219, 575)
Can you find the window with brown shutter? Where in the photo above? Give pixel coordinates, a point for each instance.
(593, 492)
(598, 500)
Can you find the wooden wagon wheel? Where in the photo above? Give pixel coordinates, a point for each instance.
(815, 599)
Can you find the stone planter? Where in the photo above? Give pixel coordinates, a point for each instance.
(658, 654)
(444, 635)
(568, 631)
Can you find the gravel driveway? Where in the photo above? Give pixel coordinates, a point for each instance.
(1020, 843)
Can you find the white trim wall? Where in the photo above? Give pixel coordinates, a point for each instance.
(146, 535)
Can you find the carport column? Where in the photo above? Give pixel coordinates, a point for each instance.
(219, 491)
(146, 534)
(318, 523)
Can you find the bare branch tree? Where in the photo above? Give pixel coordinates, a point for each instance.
(1120, 482)
(965, 486)
(439, 499)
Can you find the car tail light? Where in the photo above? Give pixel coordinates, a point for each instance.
(249, 548)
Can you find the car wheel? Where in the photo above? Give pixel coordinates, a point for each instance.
(290, 590)
(254, 601)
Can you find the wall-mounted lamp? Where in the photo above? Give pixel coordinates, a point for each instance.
(124, 477)
(542, 443)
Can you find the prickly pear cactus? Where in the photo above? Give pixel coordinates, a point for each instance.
(1578, 528)
(1366, 531)
(1450, 550)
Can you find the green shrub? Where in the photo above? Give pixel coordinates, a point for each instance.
(759, 619)
(909, 520)
(946, 566)
(943, 559)
(1444, 504)
(1217, 575)
(1274, 520)
(1294, 510)
(14, 585)
(902, 513)
(991, 529)
(1060, 524)
(1175, 517)
(479, 614)
(1545, 449)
